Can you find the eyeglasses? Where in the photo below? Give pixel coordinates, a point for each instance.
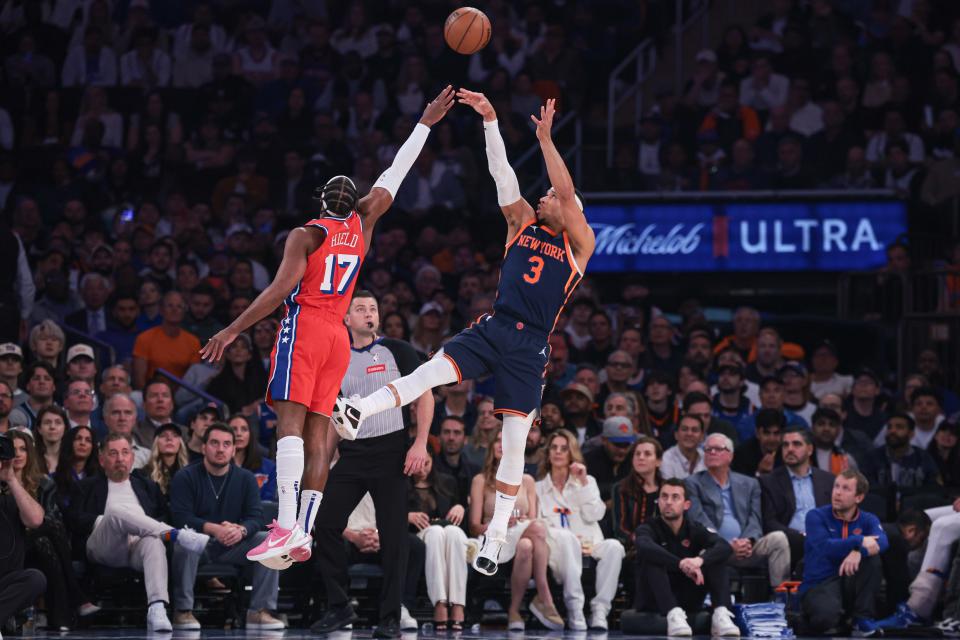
(715, 449)
(81, 392)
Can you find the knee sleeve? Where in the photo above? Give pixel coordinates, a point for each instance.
(514, 442)
(437, 372)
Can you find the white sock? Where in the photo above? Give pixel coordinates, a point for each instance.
(434, 373)
(309, 504)
(502, 510)
(289, 474)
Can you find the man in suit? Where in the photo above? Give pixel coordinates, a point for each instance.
(790, 491)
(117, 516)
(729, 503)
(92, 318)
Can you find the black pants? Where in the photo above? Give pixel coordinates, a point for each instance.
(19, 590)
(896, 571)
(374, 465)
(416, 559)
(796, 541)
(48, 550)
(826, 605)
(660, 589)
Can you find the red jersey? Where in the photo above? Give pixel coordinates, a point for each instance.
(327, 284)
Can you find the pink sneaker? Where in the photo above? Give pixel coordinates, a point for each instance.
(281, 542)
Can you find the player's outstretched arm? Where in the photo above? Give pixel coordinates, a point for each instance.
(375, 204)
(515, 209)
(575, 221)
(295, 252)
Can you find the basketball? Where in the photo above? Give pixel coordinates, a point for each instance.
(467, 30)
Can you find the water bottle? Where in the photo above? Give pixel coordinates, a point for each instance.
(29, 624)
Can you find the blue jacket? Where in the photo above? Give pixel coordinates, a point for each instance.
(193, 503)
(830, 539)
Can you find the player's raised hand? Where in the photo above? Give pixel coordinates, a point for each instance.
(478, 102)
(213, 350)
(545, 123)
(438, 107)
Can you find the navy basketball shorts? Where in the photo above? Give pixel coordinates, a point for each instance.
(515, 354)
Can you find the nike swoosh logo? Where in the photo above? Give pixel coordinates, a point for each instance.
(276, 543)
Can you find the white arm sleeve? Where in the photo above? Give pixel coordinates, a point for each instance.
(508, 189)
(406, 155)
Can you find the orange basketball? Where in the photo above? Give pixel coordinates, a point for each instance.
(467, 30)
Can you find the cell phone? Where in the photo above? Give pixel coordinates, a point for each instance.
(127, 215)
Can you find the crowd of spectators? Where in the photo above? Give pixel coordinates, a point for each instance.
(164, 150)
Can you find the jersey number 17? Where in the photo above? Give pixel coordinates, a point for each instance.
(347, 263)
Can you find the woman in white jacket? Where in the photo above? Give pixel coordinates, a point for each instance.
(570, 501)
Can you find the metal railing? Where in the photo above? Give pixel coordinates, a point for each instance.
(889, 296)
(572, 156)
(689, 15)
(201, 397)
(642, 61)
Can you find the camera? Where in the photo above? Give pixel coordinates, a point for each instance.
(7, 451)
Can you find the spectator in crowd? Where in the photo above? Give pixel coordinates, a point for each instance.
(826, 433)
(40, 387)
(792, 490)
(90, 63)
(456, 402)
(771, 397)
(898, 468)
(760, 454)
(696, 403)
(120, 416)
(166, 346)
(769, 346)
(222, 501)
(526, 541)
(122, 331)
(20, 586)
(570, 501)
(81, 364)
(841, 572)
(11, 366)
(823, 375)
(619, 369)
(679, 562)
(451, 459)
(853, 442)
(730, 119)
(50, 427)
(864, 413)
(635, 497)
(92, 318)
(926, 407)
(201, 419)
(729, 503)
(247, 455)
(47, 343)
(901, 564)
(200, 320)
(796, 390)
(158, 410)
(533, 452)
(436, 516)
(730, 402)
(944, 451)
(78, 402)
(658, 390)
(484, 433)
(763, 89)
(578, 411)
(48, 546)
(122, 509)
(78, 460)
(608, 463)
(662, 354)
(168, 455)
(686, 457)
(241, 382)
(6, 406)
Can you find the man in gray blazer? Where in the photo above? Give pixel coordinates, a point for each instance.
(729, 503)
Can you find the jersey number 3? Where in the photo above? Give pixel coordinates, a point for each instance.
(536, 266)
(345, 261)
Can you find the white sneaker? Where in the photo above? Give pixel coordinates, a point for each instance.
(489, 553)
(407, 621)
(346, 417)
(598, 619)
(157, 620)
(677, 624)
(191, 540)
(575, 620)
(722, 624)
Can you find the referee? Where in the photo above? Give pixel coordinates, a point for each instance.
(376, 462)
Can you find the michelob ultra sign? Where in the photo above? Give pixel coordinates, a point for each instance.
(836, 235)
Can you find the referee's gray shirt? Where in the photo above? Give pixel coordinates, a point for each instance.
(372, 367)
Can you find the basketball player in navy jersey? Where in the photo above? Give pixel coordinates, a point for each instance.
(546, 252)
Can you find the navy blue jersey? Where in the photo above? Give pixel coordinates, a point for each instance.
(537, 277)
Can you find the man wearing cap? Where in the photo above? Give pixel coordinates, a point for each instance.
(11, 366)
(578, 410)
(165, 347)
(824, 377)
(429, 332)
(82, 363)
(608, 464)
(92, 318)
(796, 392)
(864, 412)
(704, 86)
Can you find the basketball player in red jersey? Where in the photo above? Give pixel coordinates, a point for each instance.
(315, 281)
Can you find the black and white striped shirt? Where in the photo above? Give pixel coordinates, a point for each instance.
(372, 367)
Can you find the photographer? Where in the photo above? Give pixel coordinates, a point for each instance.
(19, 587)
